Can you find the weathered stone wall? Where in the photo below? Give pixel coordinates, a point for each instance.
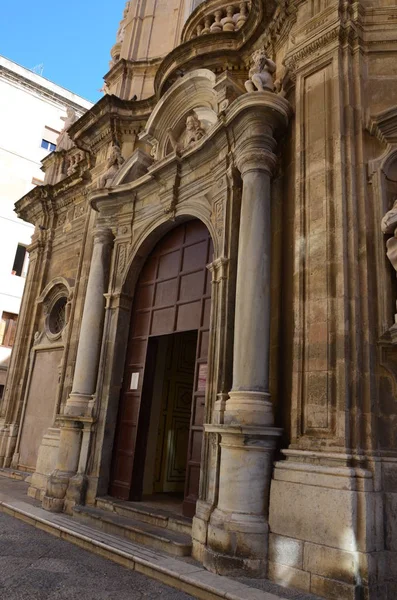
(333, 367)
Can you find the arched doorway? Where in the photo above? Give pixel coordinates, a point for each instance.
(160, 420)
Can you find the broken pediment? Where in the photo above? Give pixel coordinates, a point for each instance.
(184, 115)
(133, 168)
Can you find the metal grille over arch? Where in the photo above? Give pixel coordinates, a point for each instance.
(173, 294)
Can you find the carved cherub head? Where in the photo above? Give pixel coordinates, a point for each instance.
(261, 61)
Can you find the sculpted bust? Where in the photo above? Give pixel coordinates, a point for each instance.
(192, 134)
(261, 73)
(114, 162)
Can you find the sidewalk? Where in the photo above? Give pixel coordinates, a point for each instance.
(185, 574)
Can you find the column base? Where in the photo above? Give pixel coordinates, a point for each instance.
(237, 535)
(78, 405)
(46, 463)
(8, 440)
(76, 492)
(248, 408)
(57, 484)
(237, 544)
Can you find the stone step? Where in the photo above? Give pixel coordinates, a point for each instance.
(158, 538)
(15, 474)
(147, 514)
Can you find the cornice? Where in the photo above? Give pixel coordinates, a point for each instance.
(109, 110)
(280, 25)
(49, 199)
(124, 66)
(383, 126)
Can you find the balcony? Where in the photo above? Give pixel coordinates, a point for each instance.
(217, 32)
(216, 17)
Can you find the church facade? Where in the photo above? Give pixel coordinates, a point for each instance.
(209, 311)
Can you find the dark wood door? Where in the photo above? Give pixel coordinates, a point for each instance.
(175, 411)
(173, 294)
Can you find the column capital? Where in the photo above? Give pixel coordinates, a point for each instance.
(256, 159)
(103, 235)
(256, 153)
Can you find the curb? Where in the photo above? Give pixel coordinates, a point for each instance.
(189, 578)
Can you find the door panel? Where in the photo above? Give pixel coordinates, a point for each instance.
(173, 432)
(172, 295)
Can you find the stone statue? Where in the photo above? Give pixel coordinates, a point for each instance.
(64, 142)
(389, 227)
(193, 133)
(261, 73)
(114, 163)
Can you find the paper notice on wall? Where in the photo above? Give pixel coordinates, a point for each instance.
(134, 381)
(202, 378)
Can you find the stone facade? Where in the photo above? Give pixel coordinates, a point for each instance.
(25, 141)
(279, 134)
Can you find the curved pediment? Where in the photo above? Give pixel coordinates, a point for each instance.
(192, 98)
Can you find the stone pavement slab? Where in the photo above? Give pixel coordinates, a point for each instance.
(186, 575)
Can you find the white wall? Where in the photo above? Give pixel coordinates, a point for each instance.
(28, 103)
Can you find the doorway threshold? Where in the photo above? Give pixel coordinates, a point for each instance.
(154, 510)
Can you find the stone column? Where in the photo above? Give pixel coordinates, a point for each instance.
(86, 369)
(238, 529)
(249, 400)
(78, 409)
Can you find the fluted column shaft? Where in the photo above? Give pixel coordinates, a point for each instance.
(86, 369)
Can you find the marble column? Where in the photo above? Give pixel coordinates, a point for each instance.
(238, 528)
(65, 486)
(90, 339)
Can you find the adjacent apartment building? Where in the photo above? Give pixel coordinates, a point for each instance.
(31, 113)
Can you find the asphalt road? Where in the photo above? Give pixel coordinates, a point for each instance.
(34, 565)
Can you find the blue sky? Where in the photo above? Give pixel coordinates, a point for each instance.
(71, 39)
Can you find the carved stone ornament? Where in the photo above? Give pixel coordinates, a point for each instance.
(256, 159)
(192, 134)
(114, 162)
(261, 73)
(64, 142)
(74, 162)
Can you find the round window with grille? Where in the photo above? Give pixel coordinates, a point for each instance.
(57, 317)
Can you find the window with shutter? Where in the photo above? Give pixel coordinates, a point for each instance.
(8, 327)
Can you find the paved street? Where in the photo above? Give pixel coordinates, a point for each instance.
(34, 565)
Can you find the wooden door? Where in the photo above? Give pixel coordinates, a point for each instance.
(176, 405)
(173, 294)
